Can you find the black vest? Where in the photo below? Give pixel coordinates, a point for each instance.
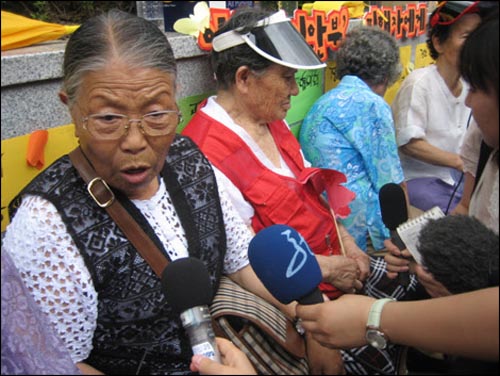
(136, 328)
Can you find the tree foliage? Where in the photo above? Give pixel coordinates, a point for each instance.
(65, 12)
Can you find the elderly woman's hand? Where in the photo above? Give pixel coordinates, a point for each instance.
(362, 259)
(340, 271)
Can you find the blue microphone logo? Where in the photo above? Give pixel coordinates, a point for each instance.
(300, 256)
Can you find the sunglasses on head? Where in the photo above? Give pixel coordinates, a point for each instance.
(448, 12)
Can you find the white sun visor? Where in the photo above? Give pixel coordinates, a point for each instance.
(276, 39)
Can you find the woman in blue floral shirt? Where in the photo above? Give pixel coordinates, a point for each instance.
(351, 129)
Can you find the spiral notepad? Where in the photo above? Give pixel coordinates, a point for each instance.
(409, 231)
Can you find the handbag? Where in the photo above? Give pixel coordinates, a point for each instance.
(259, 329)
(256, 327)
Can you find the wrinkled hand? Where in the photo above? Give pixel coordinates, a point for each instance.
(339, 323)
(362, 259)
(340, 271)
(433, 287)
(234, 361)
(323, 360)
(395, 263)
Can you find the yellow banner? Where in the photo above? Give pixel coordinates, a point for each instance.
(17, 173)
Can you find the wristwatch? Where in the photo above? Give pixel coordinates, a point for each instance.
(373, 335)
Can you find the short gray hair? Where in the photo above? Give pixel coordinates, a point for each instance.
(369, 53)
(134, 40)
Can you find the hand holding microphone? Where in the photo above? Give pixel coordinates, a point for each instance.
(285, 264)
(188, 290)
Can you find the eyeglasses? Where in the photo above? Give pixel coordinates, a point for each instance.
(114, 126)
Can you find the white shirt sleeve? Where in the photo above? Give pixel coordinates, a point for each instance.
(470, 148)
(410, 112)
(238, 232)
(54, 271)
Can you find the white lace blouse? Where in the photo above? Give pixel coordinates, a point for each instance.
(54, 271)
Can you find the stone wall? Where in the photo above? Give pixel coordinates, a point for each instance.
(32, 76)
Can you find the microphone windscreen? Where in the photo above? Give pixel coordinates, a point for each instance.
(393, 205)
(284, 263)
(186, 284)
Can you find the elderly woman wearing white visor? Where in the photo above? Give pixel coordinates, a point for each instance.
(243, 133)
(274, 38)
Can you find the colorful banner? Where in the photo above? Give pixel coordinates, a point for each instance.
(422, 56)
(188, 107)
(322, 30)
(310, 84)
(405, 58)
(401, 23)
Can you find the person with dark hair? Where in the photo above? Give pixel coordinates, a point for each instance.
(460, 252)
(430, 113)
(350, 129)
(464, 324)
(243, 133)
(102, 298)
(473, 146)
(479, 66)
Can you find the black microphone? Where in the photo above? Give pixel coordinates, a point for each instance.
(188, 289)
(394, 212)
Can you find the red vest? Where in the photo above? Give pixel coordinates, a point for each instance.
(276, 199)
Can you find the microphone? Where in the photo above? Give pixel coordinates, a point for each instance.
(285, 264)
(187, 287)
(394, 212)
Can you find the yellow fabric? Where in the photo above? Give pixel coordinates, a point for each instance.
(356, 8)
(19, 31)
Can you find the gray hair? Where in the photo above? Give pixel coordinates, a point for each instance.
(371, 54)
(132, 39)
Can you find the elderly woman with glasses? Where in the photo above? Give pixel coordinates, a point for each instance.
(102, 298)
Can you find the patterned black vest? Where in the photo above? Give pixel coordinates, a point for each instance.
(136, 329)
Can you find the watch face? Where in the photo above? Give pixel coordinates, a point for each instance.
(376, 338)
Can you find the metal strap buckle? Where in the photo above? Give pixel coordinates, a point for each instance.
(90, 186)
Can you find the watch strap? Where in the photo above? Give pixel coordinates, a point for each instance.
(376, 312)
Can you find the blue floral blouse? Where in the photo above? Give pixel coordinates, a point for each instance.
(350, 129)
